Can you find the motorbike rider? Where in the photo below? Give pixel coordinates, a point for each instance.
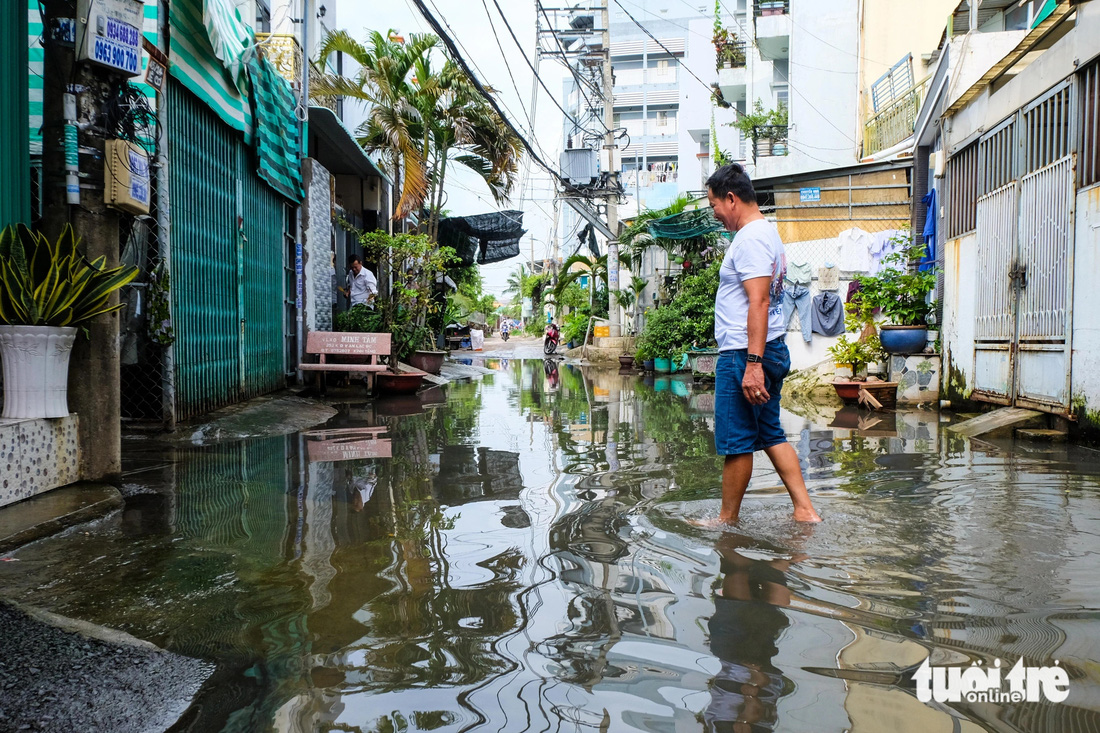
(552, 335)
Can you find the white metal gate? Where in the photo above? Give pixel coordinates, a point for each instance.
(1044, 283)
(995, 307)
(1023, 318)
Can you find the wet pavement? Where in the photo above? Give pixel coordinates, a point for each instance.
(515, 554)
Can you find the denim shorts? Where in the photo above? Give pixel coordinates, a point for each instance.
(739, 426)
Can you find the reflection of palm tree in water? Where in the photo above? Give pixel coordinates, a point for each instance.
(746, 624)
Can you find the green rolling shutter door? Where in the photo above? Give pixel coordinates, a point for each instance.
(227, 263)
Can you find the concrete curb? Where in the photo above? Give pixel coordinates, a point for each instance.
(53, 511)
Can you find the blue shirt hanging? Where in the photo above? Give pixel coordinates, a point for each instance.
(929, 260)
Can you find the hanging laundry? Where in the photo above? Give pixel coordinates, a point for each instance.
(828, 277)
(799, 273)
(828, 315)
(929, 260)
(855, 250)
(884, 244)
(797, 297)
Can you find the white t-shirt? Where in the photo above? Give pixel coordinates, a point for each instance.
(756, 251)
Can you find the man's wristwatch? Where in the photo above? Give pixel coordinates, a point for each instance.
(754, 359)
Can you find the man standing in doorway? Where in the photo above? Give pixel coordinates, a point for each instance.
(753, 359)
(362, 285)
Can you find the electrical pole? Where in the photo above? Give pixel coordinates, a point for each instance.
(612, 179)
(95, 367)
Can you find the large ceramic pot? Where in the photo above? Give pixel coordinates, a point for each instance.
(903, 339)
(626, 361)
(405, 383)
(427, 361)
(36, 370)
(662, 366)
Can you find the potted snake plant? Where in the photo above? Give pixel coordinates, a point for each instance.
(47, 290)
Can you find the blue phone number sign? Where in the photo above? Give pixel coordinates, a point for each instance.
(119, 48)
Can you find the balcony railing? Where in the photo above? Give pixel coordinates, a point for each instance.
(769, 141)
(770, 7)
(895, 122)
(284, 53)
(730, 55)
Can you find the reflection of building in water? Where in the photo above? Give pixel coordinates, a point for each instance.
(468, 473)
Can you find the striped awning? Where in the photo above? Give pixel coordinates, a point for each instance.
(196, 63)
(214, 55)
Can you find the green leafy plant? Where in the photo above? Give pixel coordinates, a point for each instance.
(414, 262)
(360, 318)
(900, 290)
(857, 353)
(750, 121)
(160, 315)
(44, 283)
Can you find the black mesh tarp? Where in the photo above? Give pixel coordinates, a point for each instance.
(483, 238)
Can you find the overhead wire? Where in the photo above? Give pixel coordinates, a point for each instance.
(519, 45)
(581, 82)
(451, 45)
(455, 43)
(508, 67)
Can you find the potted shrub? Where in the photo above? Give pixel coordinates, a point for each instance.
(414, 262)
(857, 354)
(756, 125)
(901, 292)
(47, 290)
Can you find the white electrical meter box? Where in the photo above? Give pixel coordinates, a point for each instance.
(108, 33)
(126, 177)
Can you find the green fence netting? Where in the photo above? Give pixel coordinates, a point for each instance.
(685, 225)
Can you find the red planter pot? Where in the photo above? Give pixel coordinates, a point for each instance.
(427, 361)
(884, 392)
(390, 383)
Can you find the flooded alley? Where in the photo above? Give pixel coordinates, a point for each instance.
(517, 553)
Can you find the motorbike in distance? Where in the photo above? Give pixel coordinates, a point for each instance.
(551, 339)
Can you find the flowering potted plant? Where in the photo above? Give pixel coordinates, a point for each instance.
(47, 290)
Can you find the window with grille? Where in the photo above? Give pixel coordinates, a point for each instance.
(963, 186)
(1088, 159)
(1047, 129)
(997, 157)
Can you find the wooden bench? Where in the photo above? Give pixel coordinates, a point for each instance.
(327, 343)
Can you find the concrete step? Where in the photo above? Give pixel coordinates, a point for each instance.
(50, 512)
(1041, 435)
(1000, 423)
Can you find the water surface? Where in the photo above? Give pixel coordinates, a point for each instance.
(512, 554)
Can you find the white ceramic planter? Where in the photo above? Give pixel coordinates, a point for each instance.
(36, 370)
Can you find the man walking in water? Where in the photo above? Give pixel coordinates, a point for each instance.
(753, 359)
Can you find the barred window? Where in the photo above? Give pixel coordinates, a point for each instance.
(1046, 130)
(962, 186)
(997, 158)
(1088, 161)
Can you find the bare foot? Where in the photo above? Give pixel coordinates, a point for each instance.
(806, 515)
(713, 523)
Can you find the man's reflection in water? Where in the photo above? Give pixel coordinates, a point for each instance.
(747, 622)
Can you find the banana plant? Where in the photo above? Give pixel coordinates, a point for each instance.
(44, 283)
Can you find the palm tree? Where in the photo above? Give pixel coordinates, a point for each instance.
(420, 118)
(388, 83)
(516, 281)
(596, 269)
